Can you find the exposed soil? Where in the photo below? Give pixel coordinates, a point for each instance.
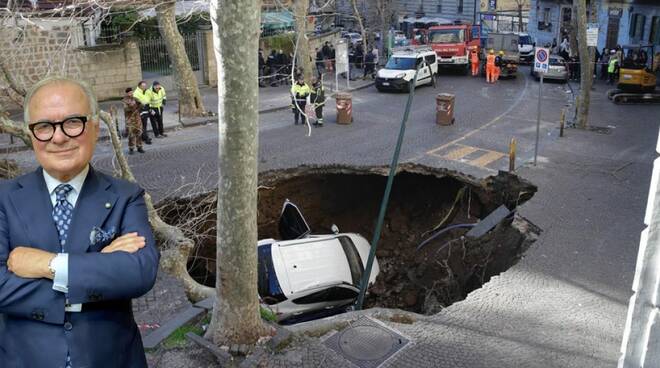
(445, 270)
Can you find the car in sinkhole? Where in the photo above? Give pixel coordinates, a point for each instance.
(302, 274)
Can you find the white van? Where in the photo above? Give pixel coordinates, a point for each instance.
(400, 68)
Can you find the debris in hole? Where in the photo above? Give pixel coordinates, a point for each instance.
(443, 271)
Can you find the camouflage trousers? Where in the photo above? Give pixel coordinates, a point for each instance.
(134, 133)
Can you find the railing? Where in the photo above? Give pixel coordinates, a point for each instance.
(154, 57)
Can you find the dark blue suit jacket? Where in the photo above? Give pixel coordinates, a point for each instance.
(35, 331)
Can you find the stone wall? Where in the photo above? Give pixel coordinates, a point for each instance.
(31, 53)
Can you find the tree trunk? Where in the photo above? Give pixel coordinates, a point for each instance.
(190, 100)
(520, 22)
(356, 14)
(586, 65)
(236, 318)
(383, 12)
(303, 51)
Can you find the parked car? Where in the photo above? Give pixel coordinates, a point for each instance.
(305, 273)
(353, 38)
(401, 66)
(557, 69)
(526, 47)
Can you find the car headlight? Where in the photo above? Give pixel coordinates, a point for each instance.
(400, 75)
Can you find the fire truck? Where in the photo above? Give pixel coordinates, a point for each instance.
(452, 44)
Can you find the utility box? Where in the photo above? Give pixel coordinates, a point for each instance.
(344, 107)
(444, 113)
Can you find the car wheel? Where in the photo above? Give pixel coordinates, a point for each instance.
(379, 89)
(406, 88)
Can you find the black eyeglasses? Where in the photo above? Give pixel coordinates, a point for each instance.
(72, 127)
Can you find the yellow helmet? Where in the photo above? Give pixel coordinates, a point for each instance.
(491, 51)
(501, 52)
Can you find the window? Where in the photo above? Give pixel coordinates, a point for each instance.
(332, 294)
(268, 285)
(430, 59)
(637, 26)
(447, 36)
(439, 7)
(546, 15)
(654, 36)
(460, 6)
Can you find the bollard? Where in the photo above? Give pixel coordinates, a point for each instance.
(562, 121)
(512, 155)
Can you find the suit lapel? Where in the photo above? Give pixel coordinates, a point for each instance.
(33, 206)
(94, 204)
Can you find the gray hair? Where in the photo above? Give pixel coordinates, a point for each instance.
(93, 104)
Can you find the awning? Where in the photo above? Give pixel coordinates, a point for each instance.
(277, 20)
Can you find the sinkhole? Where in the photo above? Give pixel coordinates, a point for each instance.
(424, 202)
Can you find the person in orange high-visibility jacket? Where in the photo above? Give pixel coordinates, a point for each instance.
(474, 59)
(490, 67)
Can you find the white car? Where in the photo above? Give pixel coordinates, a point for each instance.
(400, 68)
(312, 273)
(526, 47)
(353, 37)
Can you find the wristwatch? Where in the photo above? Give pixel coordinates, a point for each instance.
(51, 269)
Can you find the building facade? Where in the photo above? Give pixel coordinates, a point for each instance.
(620, 22)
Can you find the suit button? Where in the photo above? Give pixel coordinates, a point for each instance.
(68, 326)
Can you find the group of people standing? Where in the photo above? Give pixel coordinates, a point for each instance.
(140, 106)
(494, 63)
(300, 93)
(274, 69)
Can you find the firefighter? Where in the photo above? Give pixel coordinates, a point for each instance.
(299, 92)
(490, 67)
(157, 99)
(140, 95)
(132, 120)
(317, 98)
(499, 63)
(474, 59)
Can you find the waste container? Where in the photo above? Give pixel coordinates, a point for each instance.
(344, 107)
(444, 113)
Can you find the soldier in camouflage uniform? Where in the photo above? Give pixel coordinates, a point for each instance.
(133, 123)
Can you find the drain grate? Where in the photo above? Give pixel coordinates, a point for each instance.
(367, 343)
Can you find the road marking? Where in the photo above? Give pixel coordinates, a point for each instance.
(459, 153)
(487, 158)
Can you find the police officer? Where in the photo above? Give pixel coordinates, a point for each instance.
(157, 99)
(299, 92)
(317, 98)
(140, 95)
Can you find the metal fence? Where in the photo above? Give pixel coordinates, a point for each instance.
(154, 57)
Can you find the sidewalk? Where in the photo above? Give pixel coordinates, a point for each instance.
(270, 99)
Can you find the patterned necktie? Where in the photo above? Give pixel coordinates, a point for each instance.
(62, 212)
(62, 216)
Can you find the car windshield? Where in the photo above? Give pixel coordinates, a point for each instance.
(353, 258)
(556, 62)
(525, 40)
(447, 36)
(268, 286)
(400, 63)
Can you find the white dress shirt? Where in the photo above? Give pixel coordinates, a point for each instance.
(61, 261)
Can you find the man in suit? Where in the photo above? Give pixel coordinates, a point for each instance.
(75, 245)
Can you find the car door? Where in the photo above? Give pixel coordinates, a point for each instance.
(423, 75)
(292, 224)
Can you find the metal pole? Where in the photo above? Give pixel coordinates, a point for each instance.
(538, 121)
(364, 283)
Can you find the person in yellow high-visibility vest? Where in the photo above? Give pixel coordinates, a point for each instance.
(140, 95)
(490, 67)
(299, 92)
(157, 99)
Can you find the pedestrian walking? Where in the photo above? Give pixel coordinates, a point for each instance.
(317, 99)
(140, 95)
(474, 60)
(157, 99)
(490, 67)
(299, 93)
(132, 120)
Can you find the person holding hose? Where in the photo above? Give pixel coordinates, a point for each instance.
(490, 67)
(474, 60)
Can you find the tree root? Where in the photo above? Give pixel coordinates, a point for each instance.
(175, 246)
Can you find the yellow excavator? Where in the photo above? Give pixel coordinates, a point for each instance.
(637, 79)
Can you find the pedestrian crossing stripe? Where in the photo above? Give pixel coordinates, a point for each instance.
(473, 156)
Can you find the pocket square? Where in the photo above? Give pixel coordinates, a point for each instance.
(99, 235)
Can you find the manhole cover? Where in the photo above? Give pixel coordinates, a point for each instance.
(366, 343)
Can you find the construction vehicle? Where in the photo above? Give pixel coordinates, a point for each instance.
(637, 79)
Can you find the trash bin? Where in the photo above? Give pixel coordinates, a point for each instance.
(444, 113)
(344, 107)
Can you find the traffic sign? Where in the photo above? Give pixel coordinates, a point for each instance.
(592, 34)
(541, 59)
